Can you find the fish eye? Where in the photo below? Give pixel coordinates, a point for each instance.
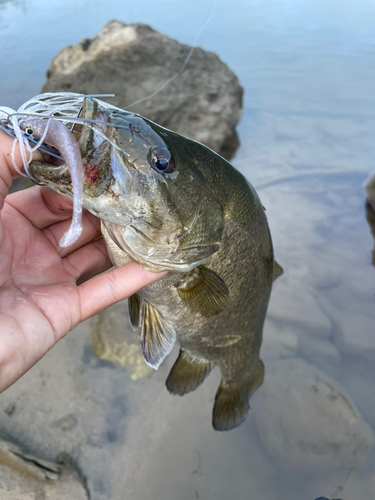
(162, 160)
(29, 131)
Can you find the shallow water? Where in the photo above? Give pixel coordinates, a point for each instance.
(307, 145)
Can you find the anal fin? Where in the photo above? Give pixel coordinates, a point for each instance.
(232, 401)
(187, 373)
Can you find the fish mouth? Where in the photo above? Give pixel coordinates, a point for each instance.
(52, 167)
(52, 172)
(95, 153)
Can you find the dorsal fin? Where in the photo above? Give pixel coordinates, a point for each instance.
(277, 270)
(157, 337)
(204, 292)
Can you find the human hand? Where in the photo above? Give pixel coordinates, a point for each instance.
(40, 301)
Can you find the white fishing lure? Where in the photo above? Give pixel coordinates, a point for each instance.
(47, 118)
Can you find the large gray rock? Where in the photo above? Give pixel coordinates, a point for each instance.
(133, 61)
(307, 423)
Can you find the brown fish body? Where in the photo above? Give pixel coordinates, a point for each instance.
(171, 203)
(230, 338)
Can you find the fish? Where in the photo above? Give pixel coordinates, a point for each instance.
(174, 205)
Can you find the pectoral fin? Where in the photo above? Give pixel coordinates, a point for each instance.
(204, 292)
(157, 337)
(134, 306)
(277, 271)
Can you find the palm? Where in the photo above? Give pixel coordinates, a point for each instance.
(39, 297)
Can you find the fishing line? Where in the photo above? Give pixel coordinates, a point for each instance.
(71, 119)
(185, 63)
(47, 106)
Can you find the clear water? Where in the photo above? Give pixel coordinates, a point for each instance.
(307, 145)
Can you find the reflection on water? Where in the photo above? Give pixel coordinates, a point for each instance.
(16, 4)
(307, 144)
(4, 2)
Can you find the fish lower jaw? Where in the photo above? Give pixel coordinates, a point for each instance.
(52, 176)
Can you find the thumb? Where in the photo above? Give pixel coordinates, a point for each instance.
(7, 170)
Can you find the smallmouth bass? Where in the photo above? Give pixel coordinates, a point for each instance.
(172, 204)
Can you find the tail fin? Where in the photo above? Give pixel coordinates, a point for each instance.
(232, 401)
(187, 373)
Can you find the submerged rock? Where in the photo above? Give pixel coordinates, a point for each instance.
(307, 423)
(133, 61)
(114, 339)
(27, 477)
